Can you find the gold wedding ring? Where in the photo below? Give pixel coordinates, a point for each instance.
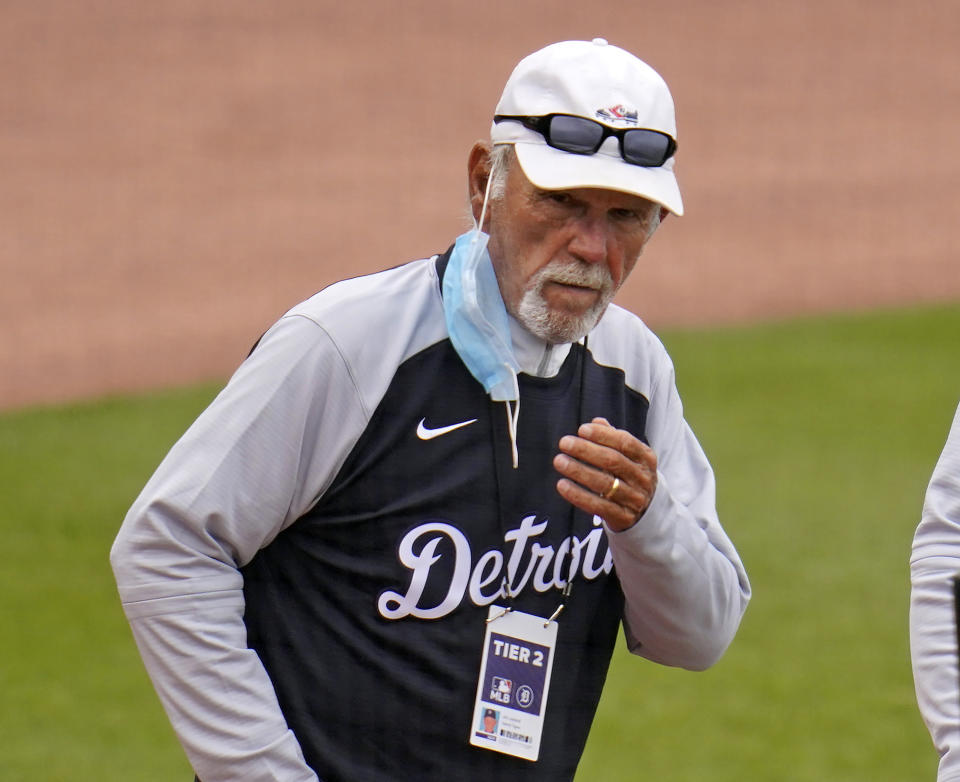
(608, 494)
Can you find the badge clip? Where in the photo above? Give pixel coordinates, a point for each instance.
(507, 593)
(567, 588)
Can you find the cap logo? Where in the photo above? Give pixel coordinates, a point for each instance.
(618, 115)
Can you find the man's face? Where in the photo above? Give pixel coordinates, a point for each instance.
(561, 255)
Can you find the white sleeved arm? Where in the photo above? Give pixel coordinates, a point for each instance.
(686, 589)
(247, 468)
(934, 563)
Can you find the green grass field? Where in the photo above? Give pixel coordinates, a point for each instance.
(823, 433)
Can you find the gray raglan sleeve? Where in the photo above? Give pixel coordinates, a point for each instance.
(686, 589)
(247, 468)
(934, 563)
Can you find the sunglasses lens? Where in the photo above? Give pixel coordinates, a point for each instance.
(575, 134)
(645, 147)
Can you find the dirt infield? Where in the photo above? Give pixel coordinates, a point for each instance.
(175, 175)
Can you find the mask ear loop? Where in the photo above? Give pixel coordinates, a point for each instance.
(513, 414)
(513, 421)
(486, 198)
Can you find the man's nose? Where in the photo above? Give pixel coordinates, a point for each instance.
(589, 242)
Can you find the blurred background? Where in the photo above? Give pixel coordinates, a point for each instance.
(176, 175)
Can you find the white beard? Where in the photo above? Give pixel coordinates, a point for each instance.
(559, 327)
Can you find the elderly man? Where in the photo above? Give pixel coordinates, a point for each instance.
(365, 561)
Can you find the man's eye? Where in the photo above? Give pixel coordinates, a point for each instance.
(626, 214)
(556, 196)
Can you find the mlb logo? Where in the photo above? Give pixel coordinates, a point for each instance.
(500, 692)
(618, 115)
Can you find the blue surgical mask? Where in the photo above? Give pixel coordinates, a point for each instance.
(477, 318)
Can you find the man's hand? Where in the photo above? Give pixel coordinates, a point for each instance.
(607, 472)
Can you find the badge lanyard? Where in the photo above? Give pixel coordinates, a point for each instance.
(506, 586)
(518, 652)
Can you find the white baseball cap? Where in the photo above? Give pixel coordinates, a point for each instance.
(600, 82)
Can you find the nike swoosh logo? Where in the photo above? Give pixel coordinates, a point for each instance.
(424, 433)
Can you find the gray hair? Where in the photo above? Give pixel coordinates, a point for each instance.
(653, 222)
(501, 158)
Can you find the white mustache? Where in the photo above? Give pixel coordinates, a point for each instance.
(585, 276)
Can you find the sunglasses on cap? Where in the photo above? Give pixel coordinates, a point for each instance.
(583, 136)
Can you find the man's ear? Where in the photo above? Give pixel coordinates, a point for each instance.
(663, 213)
(478, 171)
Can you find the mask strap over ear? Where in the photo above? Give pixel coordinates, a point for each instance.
(486, 198)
